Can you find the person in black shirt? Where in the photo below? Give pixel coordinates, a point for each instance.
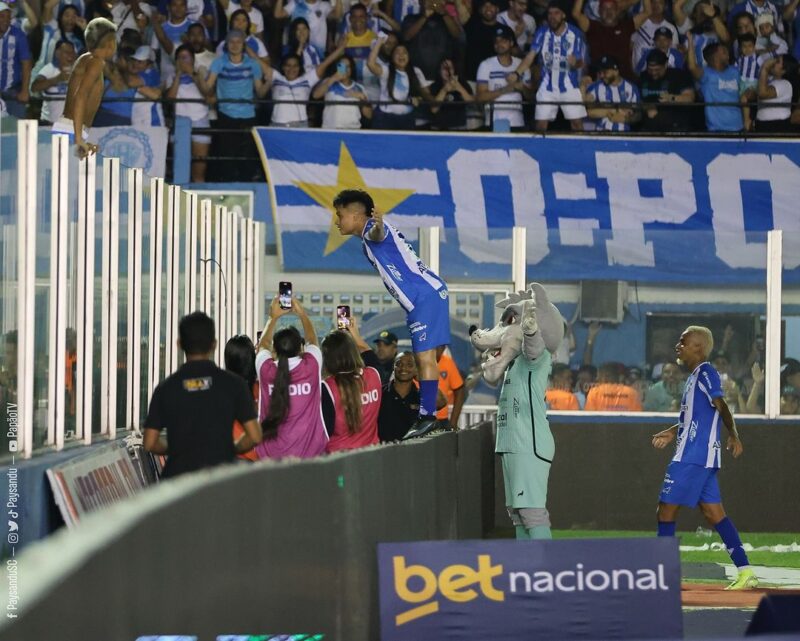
(400, 400)
(664, 87)
(451, 96)
(431, 36)
(480, 32)
(386, 351)
(197, 406)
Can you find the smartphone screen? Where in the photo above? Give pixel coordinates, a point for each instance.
(343, 316)
(285, 295)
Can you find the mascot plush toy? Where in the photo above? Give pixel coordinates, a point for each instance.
(518, 352)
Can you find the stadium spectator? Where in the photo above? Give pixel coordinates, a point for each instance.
(662, 41)
(559, 394)
(755, 398)
(372, 82)
(51, 9)
(431, 36)
(743, 23)
(480, 32)
(135, 15)
(116, 109)
(790, 401)
(96, 9)
(316, 12)
(399, 400)
(791, 13)
(293, 85)
(346, 102)
(768, 41)
(375, 19)
(749, 65)
(299, 43)
(351, 414)
(254, 15)
(665, 395)
(69, 26)
(521, 23)
(790, 373)
(51, 81)
(645, 36)
(611, 34)
(559, 65)
(611, 89)
(494, 87)
(757, 8)
(401, 89)
(451, 385)
(203, 56)
(143, 76)
(660, 88)
(386, 351)
(584, 382)
(170, 32)
(719, 83)
(188, 84)
(289, 372)
(240, 21)
(610, 394)
(775, 95)
(240, 359)
(15, 64)
(451, 96)
(358, 39)
(236, 76)
(703, 28)
(198, 405)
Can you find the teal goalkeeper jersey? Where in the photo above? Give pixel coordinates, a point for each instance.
(522, 426)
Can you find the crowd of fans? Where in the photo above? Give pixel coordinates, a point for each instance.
(610, 65)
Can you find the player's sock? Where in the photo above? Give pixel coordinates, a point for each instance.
(666, 528)
(522, 533)
(540, 532)
(428, 391)
(730, 537)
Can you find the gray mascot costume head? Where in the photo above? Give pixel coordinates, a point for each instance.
(517, 351)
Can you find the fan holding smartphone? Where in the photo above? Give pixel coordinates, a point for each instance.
(285, 295)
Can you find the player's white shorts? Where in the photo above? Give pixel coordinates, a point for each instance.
(549, 112)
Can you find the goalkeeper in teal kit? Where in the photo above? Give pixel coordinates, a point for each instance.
(529, 330)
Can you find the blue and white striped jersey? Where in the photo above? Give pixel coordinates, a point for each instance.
(698, 433)
(13, 50)
(621, 93)
(553, 50)
(404, 275)
(749, 68)
(674, 59)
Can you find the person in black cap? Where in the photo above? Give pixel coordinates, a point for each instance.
(480, 33)
(385, 350)
(494, 85)
(643, 38)
(660, 88)
(662, 41)
(612, 88)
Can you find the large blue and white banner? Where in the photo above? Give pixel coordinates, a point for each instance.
(595, 208)
(546, 590)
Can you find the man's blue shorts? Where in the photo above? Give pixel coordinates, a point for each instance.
(689, 484)
(429, 321)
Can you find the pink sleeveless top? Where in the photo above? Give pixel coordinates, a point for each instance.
(341, 439)
(302, 432)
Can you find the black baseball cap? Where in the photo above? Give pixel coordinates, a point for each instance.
(662, 31)
(608, 62)
(386, 337)
(656, 57)
(504, 31)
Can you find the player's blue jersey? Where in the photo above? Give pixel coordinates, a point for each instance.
(698, 433)
(405, 276)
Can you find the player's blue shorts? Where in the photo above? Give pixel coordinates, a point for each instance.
(429, 321)
(689, 484)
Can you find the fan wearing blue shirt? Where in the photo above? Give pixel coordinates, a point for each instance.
(15, 63)
(691, 477)
(420, 292)
(719, 83)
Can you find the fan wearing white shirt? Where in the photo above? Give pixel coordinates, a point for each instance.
(644, 38)
(345, 100)
(495, 88)
(188, 84)
(774, 89)
(522, 24)
(255, 15)
(316, 13)
(52, 79)
(293, 85)
(132, 14)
